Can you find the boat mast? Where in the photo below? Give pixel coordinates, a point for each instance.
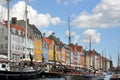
(118, 61)
(105, 60)
(90, 63)
(69, 38)
(8, 24)
(26, 29)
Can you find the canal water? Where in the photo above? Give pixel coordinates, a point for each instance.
(67, 78)
(52, 79)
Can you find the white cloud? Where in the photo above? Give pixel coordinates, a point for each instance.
(58, 1)
(2, 2)
(67, 2)
(105, 14)
(74, 36)
(38, 19)
(95, 36)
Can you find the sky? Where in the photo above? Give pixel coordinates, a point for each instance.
(99, 19)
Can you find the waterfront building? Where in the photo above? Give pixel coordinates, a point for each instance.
(83, 56)
(68, 60)
(99, 61)
(47, 48)
(51, 49)
(80, 53)
(37, 49)
(58, 46)
(3, 39)
(29, 43)
(74, 56)
(16, 41)
(63, 55)
(35, 35)
(46, 44)
(38, 43)
(71, 57)
(88, 60)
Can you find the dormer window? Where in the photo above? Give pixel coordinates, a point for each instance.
(2, 29)
(23, 33)
(19, 32)
(14, 30)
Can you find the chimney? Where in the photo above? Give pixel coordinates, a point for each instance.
(76, 44)
(27, 21)
(44, 35)
(14, 20)
(53, 34)
(59, 39)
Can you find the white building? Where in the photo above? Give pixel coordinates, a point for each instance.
(3, 40)
(17, 42)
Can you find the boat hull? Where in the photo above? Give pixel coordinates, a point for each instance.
(9, 75)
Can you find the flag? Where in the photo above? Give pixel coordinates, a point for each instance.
(3, 22)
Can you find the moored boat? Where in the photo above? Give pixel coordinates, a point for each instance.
(11, 69)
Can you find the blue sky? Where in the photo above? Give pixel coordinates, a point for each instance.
(99, 19)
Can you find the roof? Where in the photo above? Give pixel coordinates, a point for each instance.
(79, 48)
(74, 47)
(17, 27)
(47, 40)
(35, 30)
(56, 40)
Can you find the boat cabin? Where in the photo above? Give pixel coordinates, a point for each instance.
(4, 63)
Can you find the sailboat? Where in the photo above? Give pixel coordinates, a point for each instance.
(22, 71)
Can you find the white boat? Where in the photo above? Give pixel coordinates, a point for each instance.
(105, 76)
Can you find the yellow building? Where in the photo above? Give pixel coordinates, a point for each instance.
(37, 48)
(88, 62)
(51, 50)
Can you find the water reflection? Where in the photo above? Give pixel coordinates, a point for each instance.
(52, 79)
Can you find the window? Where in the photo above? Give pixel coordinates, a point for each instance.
(3, 66)
(6, 38)
(2, 29)
(12, 47)
(6, 46)
(19, 32)
(13, 29)
(1, 46)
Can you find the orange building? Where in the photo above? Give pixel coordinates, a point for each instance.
(80, 53)
(63, 55)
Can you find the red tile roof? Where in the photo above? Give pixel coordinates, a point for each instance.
(17, 27)
(48, 40)
(79, 48)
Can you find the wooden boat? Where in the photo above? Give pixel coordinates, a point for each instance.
(20, 71)
(10, 70)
